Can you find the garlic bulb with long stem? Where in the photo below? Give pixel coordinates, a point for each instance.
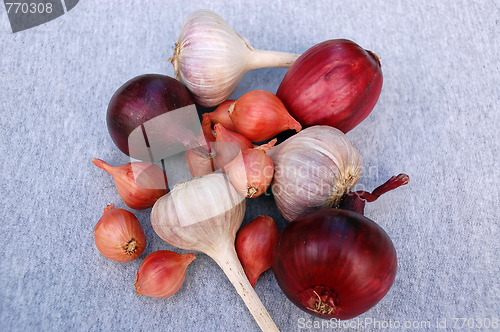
(211, 58)
(204, 214)
(314, 168)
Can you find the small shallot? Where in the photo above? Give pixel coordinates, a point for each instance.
(118, 235)
(259, 115)
(162, 273)
(200, 160)
(221, 115)
(139, 184)
(228, 145)
(254, 244)
(251, 172)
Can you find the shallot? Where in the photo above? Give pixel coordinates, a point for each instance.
(118, 235)
(162, 273)
(259, 115)
(255, 244)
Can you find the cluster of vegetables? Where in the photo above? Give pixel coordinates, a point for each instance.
(330, 260)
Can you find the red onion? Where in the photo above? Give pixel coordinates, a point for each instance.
(334, 263)
(335, 83)
(141, 99)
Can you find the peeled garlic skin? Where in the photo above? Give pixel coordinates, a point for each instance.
(162, 273)
(335, 83)
(313, 169)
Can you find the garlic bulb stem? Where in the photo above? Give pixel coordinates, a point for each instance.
(269, 59)
(229, 263)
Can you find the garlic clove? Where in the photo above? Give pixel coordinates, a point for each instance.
(162, 273)
(211, 58)
(139, 184)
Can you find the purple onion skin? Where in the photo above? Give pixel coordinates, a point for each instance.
(341, 256)
(141, 99)
(335, 83)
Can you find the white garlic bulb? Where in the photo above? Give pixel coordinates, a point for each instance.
(313, 169)
(204, 214)
(211, 58)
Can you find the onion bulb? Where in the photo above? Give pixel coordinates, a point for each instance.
(334, 263)
(335, 83)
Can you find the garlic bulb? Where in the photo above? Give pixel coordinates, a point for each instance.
(313, 169)
(211, 58)
(204, 214)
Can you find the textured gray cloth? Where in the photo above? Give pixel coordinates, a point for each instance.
(437, 120)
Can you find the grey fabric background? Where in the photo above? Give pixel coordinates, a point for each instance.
(437, 120)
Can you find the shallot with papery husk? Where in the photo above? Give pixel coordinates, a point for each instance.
(211, 58)
(251, 172)
(221, 115)
(259, 115)
(204, 214)
(255, 244)
(228, 145)
(118, 235)
(335, 83)
(139, 183)
(162, 273)
(314, 168)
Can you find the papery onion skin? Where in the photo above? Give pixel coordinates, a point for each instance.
(162, 273)
(335, 83)
(340, 256)
(141, 99)
(118, 235)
